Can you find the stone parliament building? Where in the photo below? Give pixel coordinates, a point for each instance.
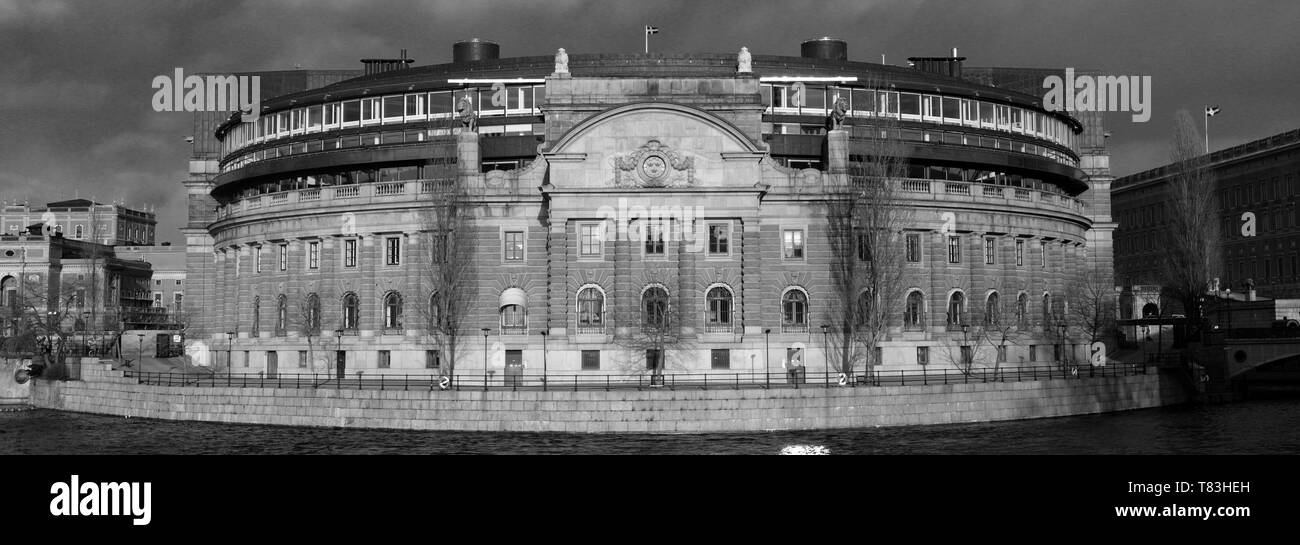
(601, 192)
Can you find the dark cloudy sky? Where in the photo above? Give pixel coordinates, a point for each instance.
(75, 115)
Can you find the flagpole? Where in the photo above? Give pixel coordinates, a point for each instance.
(1207, 130)
(646, 31)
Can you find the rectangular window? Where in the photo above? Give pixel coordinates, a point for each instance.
(1020, 253)
(385, 359)
(792, 243)
(590, 360)
(719, 239)
(990, 251)
(1002, 353)
(954, 249)
(432, 359)
(1042, 256)
(863, 244)
(284, 257)
(350, 253)
(913, 247)
(514, 245)
(1033, 352)
(589, 240)
(393, 251)
(257, 258)
(302, 358)
(922, 355)
(720, 358)
(654, 238)
(313, 255)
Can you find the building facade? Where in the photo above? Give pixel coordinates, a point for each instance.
(52, 281)
(604, 193)
(1260, 225)
(82, 219)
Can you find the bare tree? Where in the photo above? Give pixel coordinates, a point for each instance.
(864, 222)
(306, 320)
(1091, 306)
(1192, 239)
(651, 326)
(46, 309)
(449, 278)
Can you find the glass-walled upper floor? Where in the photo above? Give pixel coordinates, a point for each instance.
(273, 132)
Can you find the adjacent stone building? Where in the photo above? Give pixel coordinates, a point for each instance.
(1257, 195)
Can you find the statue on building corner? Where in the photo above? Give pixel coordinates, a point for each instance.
(744, 62)
(465, 109)
(839, 110)
(561, 62)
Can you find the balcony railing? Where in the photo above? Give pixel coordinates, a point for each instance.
(591, 329)
(719, 328)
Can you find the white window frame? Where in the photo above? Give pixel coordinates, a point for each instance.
(313, 255)
(803, 238)
(388, 256)
(501, 243)
(343, 255)
(599, 227)
(730, 231)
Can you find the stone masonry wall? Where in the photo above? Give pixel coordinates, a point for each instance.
(103, 391)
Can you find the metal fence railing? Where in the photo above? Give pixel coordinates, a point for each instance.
(795, 378)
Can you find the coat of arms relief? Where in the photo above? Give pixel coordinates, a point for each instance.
(654, 165)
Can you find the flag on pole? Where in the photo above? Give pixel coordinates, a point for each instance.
(651, 30)
(1211, 110)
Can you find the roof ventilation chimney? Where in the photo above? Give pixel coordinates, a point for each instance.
(379, 66)
(474, 50)
(944, 66)
(825, 48)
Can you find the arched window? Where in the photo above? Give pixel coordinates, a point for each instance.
(591, 310)
(720, 305)
(1047, 310)
(512, 307)
(435, 311)
(9, 293)
(654, 307)
(257, 316)
(913, 312)
(956, 310)
(392, 310)
(992, 310)
(281, 314)
(794, 310)
(313, 314)
(1150, 310)
(1022, 310)
(351, 311)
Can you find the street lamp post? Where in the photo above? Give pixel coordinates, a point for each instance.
(543, 332)
(230, 344)
(965, 346)
(140, 350)
(485, 357)
(767, 351)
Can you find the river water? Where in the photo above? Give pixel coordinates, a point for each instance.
(1258, 426)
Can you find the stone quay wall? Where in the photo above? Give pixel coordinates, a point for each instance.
(104, 391)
